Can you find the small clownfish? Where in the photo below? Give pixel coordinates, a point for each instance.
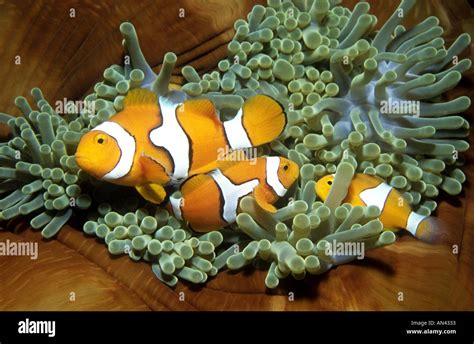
(367, 190)
(211, 201)
(155, 141)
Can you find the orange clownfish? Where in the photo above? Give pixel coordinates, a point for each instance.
(155, 141)
(211, 201)
(367, 190)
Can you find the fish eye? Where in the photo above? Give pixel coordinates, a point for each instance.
(285, 167)
(329, 182)
(100, 139)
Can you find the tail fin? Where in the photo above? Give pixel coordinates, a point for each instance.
(261, 120)
(422, 227)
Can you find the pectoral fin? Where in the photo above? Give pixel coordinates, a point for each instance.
(154, 170)
(153, 193)
(261, 196)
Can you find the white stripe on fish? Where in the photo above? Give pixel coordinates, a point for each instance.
(272, 165)
(236, 133)
(171, 136)
(414, 221)
(126, 144)
(231, 193)
(376, 196)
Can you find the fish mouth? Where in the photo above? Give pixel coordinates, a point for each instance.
(319, 193)
(296, 174)
(81, 160)
(85, 164)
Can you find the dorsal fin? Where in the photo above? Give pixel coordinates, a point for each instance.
(194, 183)
(367, 180)
(233, 158)
(224, 165)
(199, 107)
(140, 97)
(225, 162)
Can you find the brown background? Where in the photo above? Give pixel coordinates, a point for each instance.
(66, 57)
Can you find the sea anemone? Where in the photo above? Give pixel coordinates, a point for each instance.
(338, 78)
(39, 173)
(358, 100)
(313, 242)
(343, 83)
(149, 233)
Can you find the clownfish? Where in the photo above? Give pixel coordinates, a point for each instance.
(395, 211)
(155, 141)
(211, 201)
